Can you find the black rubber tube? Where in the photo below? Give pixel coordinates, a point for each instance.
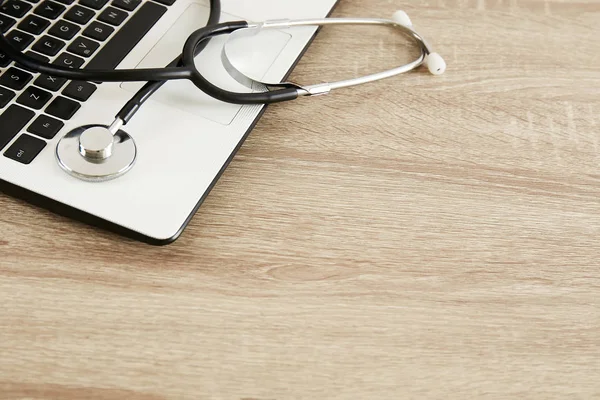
(189, 51)
(134, 104)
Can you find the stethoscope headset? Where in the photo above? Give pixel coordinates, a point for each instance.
(104, 152)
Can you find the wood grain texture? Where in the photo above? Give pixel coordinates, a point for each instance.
(417, 238)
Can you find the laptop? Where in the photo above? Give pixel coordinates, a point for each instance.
(185, 139)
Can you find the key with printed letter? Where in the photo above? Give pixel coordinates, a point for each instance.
(112, 16)
(15, 79)
(68, 60)
(127, 37)
(49, 9)
(19, 39)
(33, 24)
(83, 47)
(49, 82)
(64, 30)
(48, 45)
(98, 31)
(15, 8)
(34, 97)
(79, 15)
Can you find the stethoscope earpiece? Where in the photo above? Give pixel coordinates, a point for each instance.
(97, 153)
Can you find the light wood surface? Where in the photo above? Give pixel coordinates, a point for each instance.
(423, 237)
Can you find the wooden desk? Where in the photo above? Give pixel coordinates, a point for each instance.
(423, 237)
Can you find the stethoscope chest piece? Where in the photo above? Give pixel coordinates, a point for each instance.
(94, 153)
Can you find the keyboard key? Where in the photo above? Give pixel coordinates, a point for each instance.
(5, 96)
(64, 30)
(12, 120)
(18, 39)
(33, 24)
(49, 9)
(166, 2)
(113, 16)
(79, 90)
(68, 60)
(33, 1)
(127, 37)
(6, 23)
(15, 8)
(48, 45)
(66, 2)
(34, 97)
(15, 78)
(63, 108)
(37, 56)
(49, 82)
(83, 47)
(98, 31)
(4, 60)
(25, 149)
(128, 5)
(95, 4)
(79, 15)
(45, 126)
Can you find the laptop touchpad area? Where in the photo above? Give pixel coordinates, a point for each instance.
(183, 94)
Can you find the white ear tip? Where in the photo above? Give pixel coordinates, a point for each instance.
(436, 64)
(400, 17)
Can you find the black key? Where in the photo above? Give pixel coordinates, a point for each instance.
(6, 23)
(65, 2)
(15, 78)
(98, 31)
(83, 47)
(79, 15)
(4, 60)
(127, 37)
(48, 45)
(5, 96)
(128, 5)
(25, 149)
(37, 56)
(49, 82)
(12, 120)
(64, 30)
(68, 60)
(166, 2)
(62, 108)
(45, 126)
(34, 24)
(18, 39)
(49, 9)
(15, 8)
(113, 16)
(95, 4)
(34, 97)
(79, 90)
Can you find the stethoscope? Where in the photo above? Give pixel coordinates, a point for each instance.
(104, 152)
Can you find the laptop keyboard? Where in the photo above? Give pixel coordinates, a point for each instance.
(94, 34)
